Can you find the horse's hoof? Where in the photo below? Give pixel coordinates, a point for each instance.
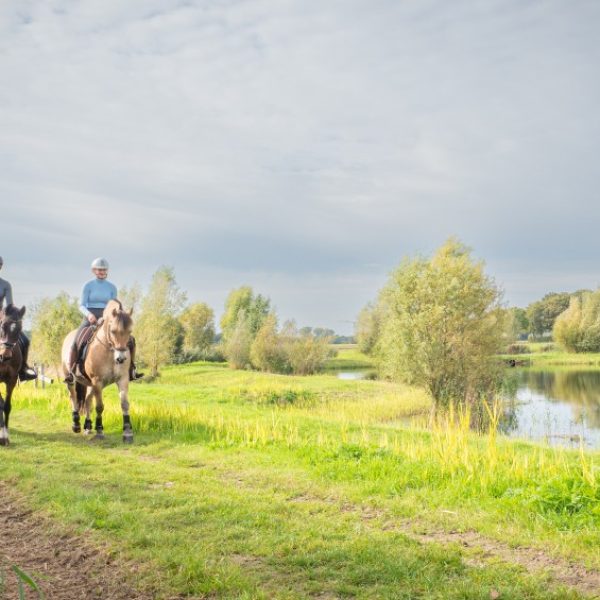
(128, 438)
(87, 432)
(99, 436)
(3, 441)
(76, 428)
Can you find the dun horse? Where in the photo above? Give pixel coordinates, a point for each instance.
(11, 324)
(107, 361)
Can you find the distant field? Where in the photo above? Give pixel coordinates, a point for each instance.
(250, 485)
(349, 357)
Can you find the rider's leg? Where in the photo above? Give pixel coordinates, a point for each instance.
(26, 373)
(133, 374)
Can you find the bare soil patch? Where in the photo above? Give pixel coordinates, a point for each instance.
(567, 573)
(64, 566)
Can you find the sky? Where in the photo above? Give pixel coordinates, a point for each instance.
(302, 147)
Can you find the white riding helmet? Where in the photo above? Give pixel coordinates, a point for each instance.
(99, 263)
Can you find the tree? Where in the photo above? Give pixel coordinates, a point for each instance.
(268, 352)
(52, 320)
(198, 321)
(244, 315)
(443, 326)
(517, 323)
(255, 309)
(236, 345)
(157, 328)
(368, 327)
(577, 329)
(543, 313)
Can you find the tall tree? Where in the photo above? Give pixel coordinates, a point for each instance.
(198, 321)
(543, 313)
(157, 328)
(443, 326)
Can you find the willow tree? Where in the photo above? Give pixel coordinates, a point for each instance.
(156, 326)
(442, 326)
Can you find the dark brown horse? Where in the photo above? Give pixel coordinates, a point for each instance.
(11, 325)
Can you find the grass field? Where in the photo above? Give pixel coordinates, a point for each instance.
(248, 485)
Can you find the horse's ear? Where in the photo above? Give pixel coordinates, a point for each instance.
(115, 312)
(130, 311)
(22, 312)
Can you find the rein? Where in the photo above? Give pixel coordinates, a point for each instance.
(107, 342)
(5, 343)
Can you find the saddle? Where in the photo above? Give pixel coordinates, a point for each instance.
(82, 344)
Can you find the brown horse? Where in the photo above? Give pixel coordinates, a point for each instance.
(107, 361)
(11, 324)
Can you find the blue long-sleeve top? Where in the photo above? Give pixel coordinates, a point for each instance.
(95, 294)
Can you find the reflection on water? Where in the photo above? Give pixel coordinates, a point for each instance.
(355, 375)
(562, 407)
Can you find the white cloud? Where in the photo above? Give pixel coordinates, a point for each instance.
(300, 140)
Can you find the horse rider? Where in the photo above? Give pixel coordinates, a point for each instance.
(95, 295)
(26, 373)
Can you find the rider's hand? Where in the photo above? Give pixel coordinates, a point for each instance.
(92, 319)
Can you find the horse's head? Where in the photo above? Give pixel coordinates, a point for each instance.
(118, 324)
(11, 325)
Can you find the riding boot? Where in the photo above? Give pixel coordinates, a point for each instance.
(133, 374)
(26, 373)
(70, 378)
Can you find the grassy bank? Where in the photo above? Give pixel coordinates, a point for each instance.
(247, 485)
(549, 354)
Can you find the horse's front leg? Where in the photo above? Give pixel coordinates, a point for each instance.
(97, 391)
(123, 385)
(10, 386)
(3, 428)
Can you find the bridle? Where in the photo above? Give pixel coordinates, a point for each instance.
(108, 341)
(4, 342)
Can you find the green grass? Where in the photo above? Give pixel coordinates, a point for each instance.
(349, 357)
(248, 485)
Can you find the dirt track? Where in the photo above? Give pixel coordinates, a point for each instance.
(66, 567)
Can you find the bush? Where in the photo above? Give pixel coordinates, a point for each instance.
(518, 349)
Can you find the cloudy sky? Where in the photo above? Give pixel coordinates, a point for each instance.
(299, 146)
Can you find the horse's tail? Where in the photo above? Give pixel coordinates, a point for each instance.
(80, 391)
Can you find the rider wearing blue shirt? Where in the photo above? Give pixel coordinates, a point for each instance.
(95, 295)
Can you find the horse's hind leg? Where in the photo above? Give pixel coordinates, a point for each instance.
(75, 406)
(124, 397)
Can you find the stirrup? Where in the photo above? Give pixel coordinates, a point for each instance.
(27, 374)
(134, 375)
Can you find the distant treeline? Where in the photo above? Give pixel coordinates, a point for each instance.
(170, 330)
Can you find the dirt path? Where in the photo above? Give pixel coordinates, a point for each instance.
(65, 567)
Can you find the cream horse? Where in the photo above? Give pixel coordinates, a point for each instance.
(107, 361)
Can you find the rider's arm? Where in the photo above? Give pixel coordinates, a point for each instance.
(8, 294)
(85, 294)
